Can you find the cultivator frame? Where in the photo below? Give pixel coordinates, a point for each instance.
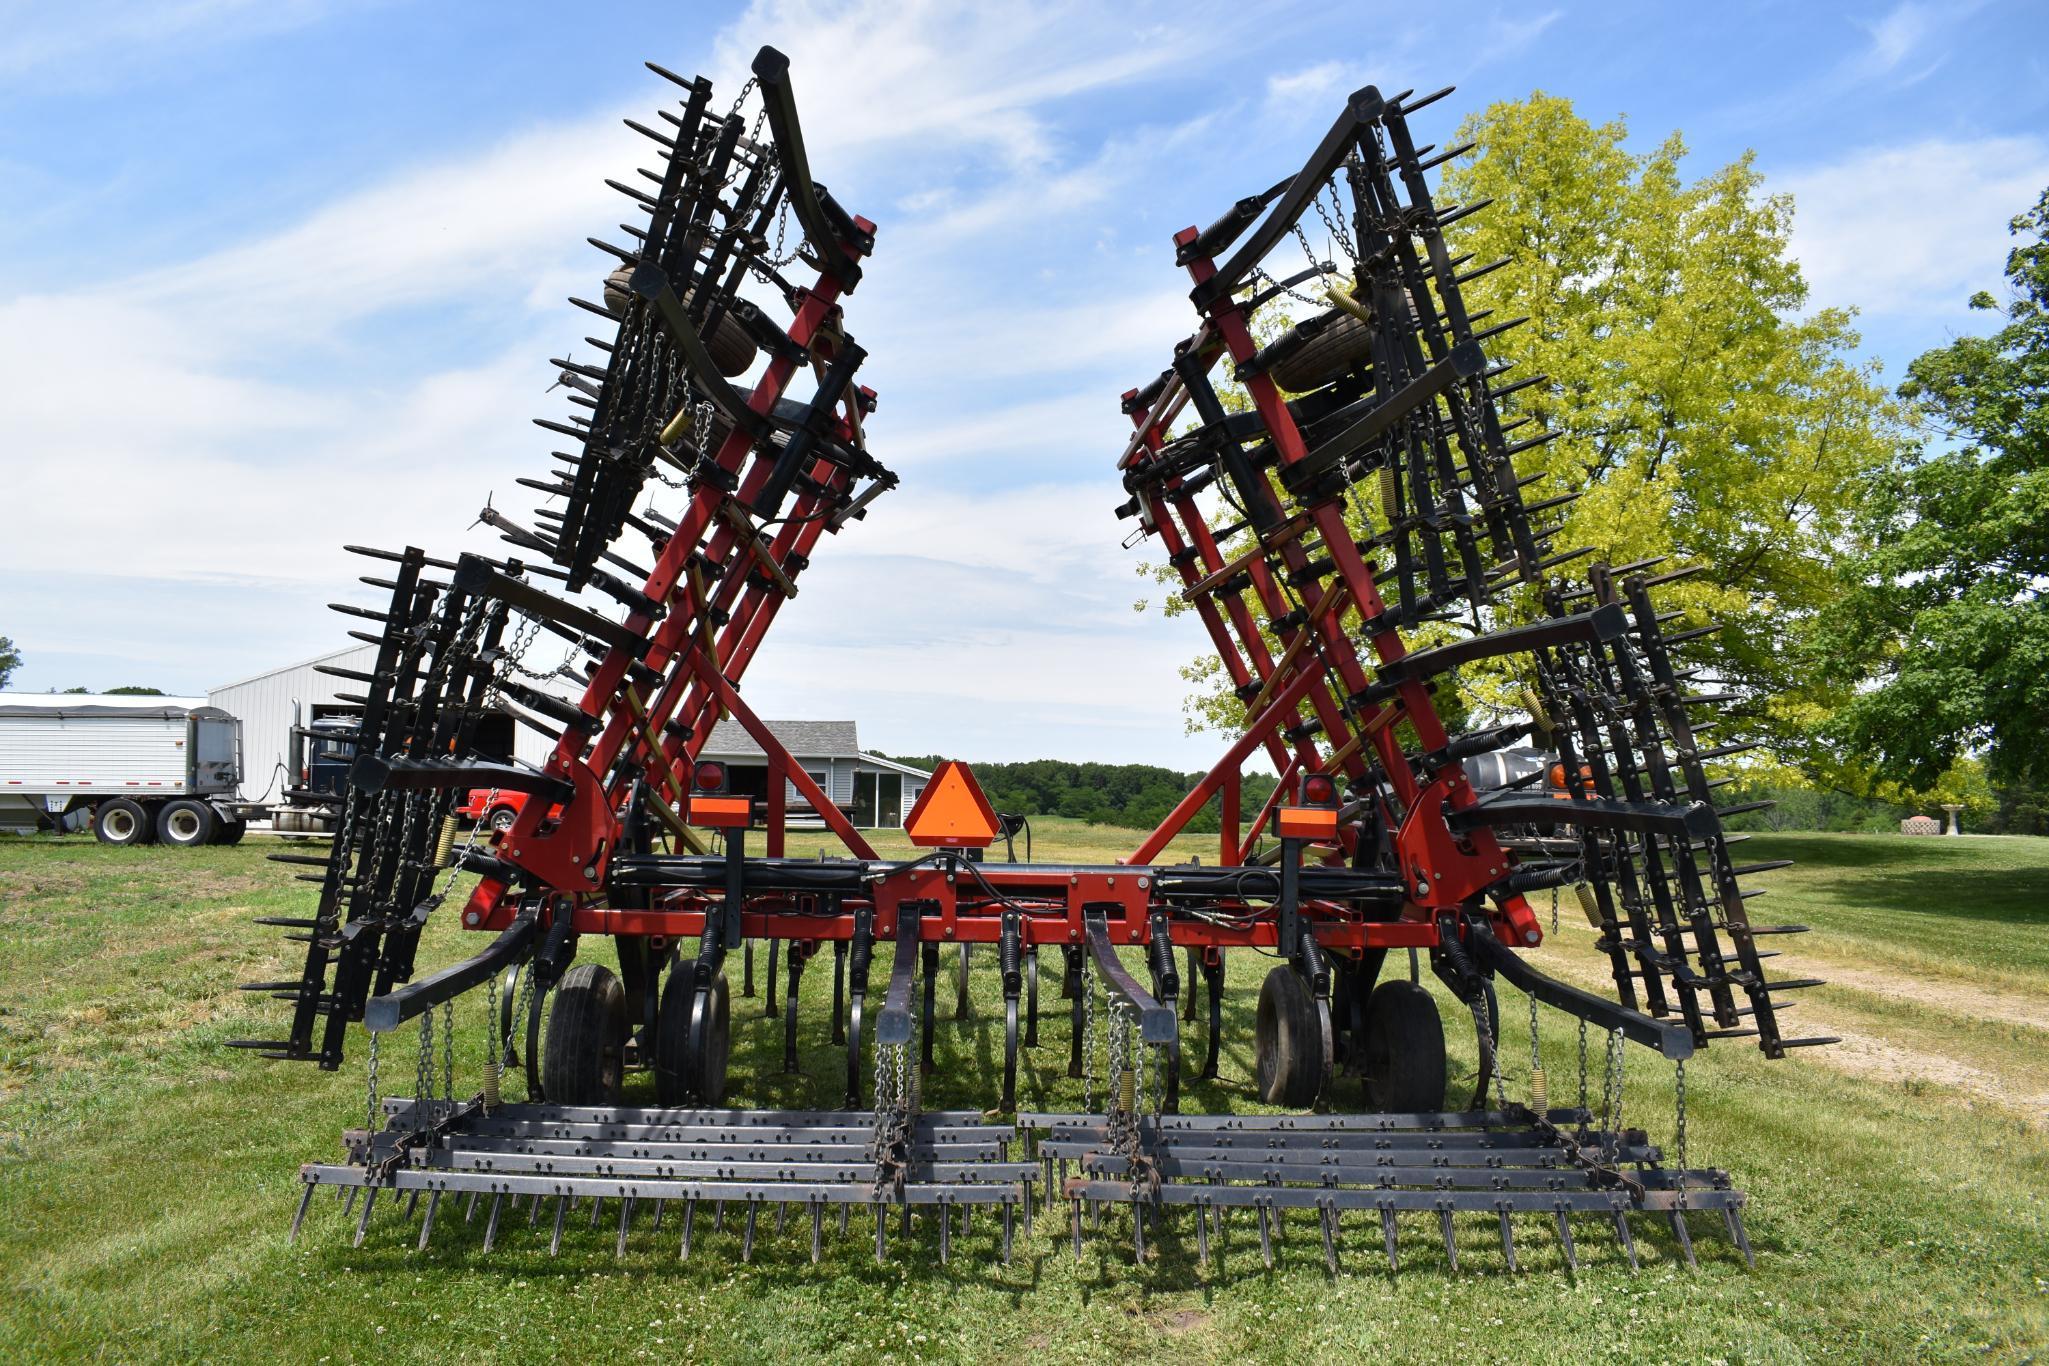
(1393, 449)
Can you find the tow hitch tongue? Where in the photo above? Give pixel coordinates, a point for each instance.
(716, 433)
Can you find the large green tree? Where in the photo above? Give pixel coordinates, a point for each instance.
(1947, 614)
(10, 660)
(1703, 415)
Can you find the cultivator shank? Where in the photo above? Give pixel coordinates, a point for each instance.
(1341, 504)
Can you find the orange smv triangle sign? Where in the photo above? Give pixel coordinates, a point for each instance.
(952, 812)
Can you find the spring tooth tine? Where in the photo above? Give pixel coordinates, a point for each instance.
(747, 1235)
(533, 1212)
(1565, 1239)
(1266, 1242)
(1076, 1204)
(945, 1233)
(1202, 1236)
(363, 1220)
(661, 1207)
(1330, 1238)
(305, 1199)
(427, 1224)
(817, 1231)
(625, 1224)
(689, 1220)
(1625, 1237)
(1507, 1239)
(469, 1208)
(412, 1205)
(881, 1234)
(782, 1211)
(1387, 1236)
(1679, 1231)
(561, 1209)
(1734, 1217)
(1007, 1213)
(1450, 1241)
(491, 1222)
(597, 1209)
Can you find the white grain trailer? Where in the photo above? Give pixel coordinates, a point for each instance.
(138, 768)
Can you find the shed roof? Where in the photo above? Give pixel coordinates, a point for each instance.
(330, 656)
(63, 705)
(804, 740)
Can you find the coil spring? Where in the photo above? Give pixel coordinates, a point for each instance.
(1588, 907)
(491, 1071)
(444, 848)
(1388, 490)
(1127, 1090)
(1540, 1095)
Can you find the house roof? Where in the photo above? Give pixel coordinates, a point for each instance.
(803, 739)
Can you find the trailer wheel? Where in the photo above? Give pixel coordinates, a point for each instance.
(231, 832)
(123, 822)
(1344, 343)
(500, 818)
(1404, 1049)
(1288, 1046)
(186, 824)
(584, 1059)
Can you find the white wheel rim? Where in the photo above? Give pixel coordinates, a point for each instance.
(184, 825)
(119, 824)
(502, 821)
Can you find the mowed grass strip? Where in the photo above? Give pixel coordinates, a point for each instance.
(147, 1176)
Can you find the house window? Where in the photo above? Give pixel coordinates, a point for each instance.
(864, 800)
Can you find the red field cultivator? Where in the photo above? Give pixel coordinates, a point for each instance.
(1371, 494)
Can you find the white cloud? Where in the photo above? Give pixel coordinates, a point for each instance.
(88, 43)
(1912, 229)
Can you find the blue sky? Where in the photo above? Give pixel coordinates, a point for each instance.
(281, 274)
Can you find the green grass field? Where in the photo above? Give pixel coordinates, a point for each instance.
(147, 1174)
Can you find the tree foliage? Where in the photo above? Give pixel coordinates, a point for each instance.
(1702, 417)
(10, 660)
(1946, 613)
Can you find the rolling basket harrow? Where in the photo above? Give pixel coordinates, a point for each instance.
(1373, 503)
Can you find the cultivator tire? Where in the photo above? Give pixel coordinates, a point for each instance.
(1344, 343)
(584, 1058)
(1288, 1048)
(693, 1041)
(122, 822)
(187, 824)
(1404, 1064)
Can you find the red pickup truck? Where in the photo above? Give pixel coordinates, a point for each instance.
(494, 807)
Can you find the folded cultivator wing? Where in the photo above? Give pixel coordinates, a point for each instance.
(1369, 485)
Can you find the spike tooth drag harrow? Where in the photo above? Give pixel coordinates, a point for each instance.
(1375, 437)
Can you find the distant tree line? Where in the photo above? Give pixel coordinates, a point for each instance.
(1135, 796)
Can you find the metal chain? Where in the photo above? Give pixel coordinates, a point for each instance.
(1679, 1068)
(525, 1007)
(1582, 1070)
(370, 1115)
(448, 1051)
(1338, 234)
(1611, 1095)
(423, 1080)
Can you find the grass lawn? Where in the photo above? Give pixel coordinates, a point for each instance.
(147, 1174)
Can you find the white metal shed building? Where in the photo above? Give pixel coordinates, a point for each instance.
(265, 704)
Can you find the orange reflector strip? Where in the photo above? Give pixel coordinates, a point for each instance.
(723, 812)
(952, 812)
(1306, 823)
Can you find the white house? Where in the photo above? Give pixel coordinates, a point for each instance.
(875, 792)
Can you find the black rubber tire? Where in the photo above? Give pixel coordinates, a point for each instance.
(122, 822)
(583, 1061)
(1288, 1045)
(1405, 1071)
(186, 824)
(676, 1079)
(230, 832)
(1343, 343)
(732, 350)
